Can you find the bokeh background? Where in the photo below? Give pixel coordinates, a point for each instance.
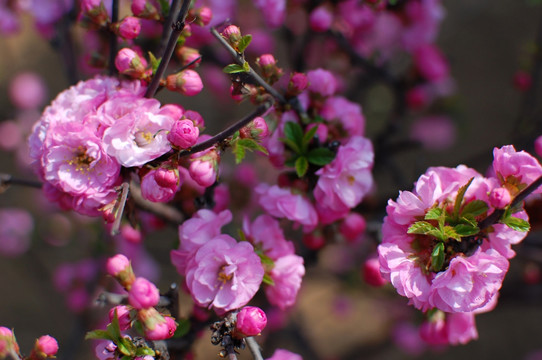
(485, 41)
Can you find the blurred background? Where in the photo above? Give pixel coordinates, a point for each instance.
(337, 316)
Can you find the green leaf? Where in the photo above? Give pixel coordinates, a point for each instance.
(449, 232)
(183, 328)
(301, 166)
(437, 257)
(474, 208)
(291, 161)
(142, 351)
(459, 199)
(466, 230)
(320, 156)
(392, 2)
(292, 145)
(516, 224)
(99, 334)
(294, 132)
(266, 260)
(252, 145)
(308, 137)
(233, 69)
(468, 219)
(154, 62)
(422, 228)
(114, 328)
(126, 346)
(164, 5)
(268, 280)
(244, 42)
(246, 66)
(434, 214)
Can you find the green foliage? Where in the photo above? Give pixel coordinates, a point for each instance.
(240, 146)
(244, 42)
(437, 257)
(235, 68)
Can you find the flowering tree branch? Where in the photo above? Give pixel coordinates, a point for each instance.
(177, 28)
(254, 348)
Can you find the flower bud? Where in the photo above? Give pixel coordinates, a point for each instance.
(298, 83)
(188, 55)
(257, 129)
(202, 16)
(353, 226)
(322, 82)
(196, 118)
(45, 347)
(145, 9)
(128, 62)
(156, 326)
(95, 12)
(251, 321)
(183, 134)
(371, 273)
(129, 28)
(313, 241)
(232, 34)
(123, 315)
(522, 80)
(416, 98)
(186, 82)
(7, 342)
(320, 19)
(270, 71)
(538, 146)
(203, 172)
(120, 268)
(143, 294)
(499, 198)
(130, 234)
(160, 185)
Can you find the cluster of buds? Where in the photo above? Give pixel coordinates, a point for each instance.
(143, 296)
(93, 13)
(45, 347)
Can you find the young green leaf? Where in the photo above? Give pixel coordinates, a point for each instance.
(422, 228)
(182, 328)
(320, 156)
(437, 257)
(98, 335)
(294, 132)
(291, 161)
(125, 346)
(267, 280)
(252, 145)
(466, 230)
(292, 145)
(233, 69)
(154, 62)
(474, 208)
(433, 214)
(516, 224)
(459, 199)
(301, 166)
(142, 351)
(246, 66)
(244, 42)
(239, 152)
(308, 137)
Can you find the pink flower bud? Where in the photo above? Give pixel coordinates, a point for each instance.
(322, 82)
(251, 321)
(89, 5)
(499, 197)
(95, 11)
(353, 226)
(183, 134)
(416, 98)
(27, 91)
(203, 171)
(138, 6)
(232, 33)
(270, 71)
(188, 55)
(144, 9)
(166, 178)
(123, 315)
(431, 63)
(205, 15)
(371, 273)
(45, 347)
(117, 264)
(196, 118)
(7, 342)
(538, 146)
(156, 326)
(298, 83)
(314, 241)
(129, 27)
(160, 185)
(143, 294)
(320, 19)
(130, 63)
(257, 129)
(130, 234)
(267, 60)
(186, 82)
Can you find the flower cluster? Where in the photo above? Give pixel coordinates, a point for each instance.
(436, 249)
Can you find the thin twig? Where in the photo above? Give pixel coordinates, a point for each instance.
(161, 210)
(221, 136)
(113, 38)
(166, 33)
(239, 59)
(115, 229)
(497, 214)
(254, 348)
(107, 298)
(177, 28)
(7, 179)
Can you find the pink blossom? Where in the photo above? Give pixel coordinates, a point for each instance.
(7, 341)
(281, 354)
(346, 113)
(431, 63)
(499, 197)
(461, 328)
(195, 232)
(117, 264)
(273, 11)
(143, 294)
(156, 326)
(434, 331)
(186, 82)
(286, 275)
(266, 235)
(183, 134)
(204, 166)
(45, 345)
(224, 274)
(371, 273)
(16, 226)
(344, 182)
(105, 350)
(516, 167)
(353, 226)
(130, 63)
(160, 185)
(27, 91)
(123, 316)
(10, 135)
(130, 27)
(322, 82)
(251, 321)
(434, 132)
(320, 19)
(298, 83)
(282, 203)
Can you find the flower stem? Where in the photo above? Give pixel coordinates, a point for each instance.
(113, 38)
(254, 348)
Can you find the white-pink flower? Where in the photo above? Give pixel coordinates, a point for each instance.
(516, 167)
(266, 234)
(224, 274)
(287, 275)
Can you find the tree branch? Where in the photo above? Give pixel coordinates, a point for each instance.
(161, 210)
(115, 229)
(254, 348)
(177, 28)
(113, 38)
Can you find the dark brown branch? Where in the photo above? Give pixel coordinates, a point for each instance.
(6, 180)
(497, 214)
(254, 348)
(166, 33)
(125, 187)
(177, 28)
(223, 135)
(240, 60)
(113, 38)
(161, 210)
